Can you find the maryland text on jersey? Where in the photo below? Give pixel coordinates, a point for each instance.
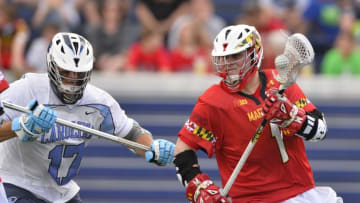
(255, 115)
(60, 132)
(199, 131)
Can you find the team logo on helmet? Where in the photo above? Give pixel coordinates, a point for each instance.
(225, 46)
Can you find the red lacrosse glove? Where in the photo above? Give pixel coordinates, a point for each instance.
(279, 110)
(202, 190)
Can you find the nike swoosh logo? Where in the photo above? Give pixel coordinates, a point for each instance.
(91, 112)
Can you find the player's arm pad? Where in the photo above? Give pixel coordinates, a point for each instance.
(136, 131)
(187, 166)
(314, 128)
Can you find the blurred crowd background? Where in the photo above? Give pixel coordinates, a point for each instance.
(170, 36)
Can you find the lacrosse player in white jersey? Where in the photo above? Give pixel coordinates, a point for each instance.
(40, 157)
(3, 86)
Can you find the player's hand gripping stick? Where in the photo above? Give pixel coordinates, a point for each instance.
(123, 141)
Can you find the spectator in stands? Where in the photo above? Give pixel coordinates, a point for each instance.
(39, 48)
(25, 9)
(207, 19)
(274, 41)
(13, 38)
(343, 58)
(90, 16)
(290, 12)
(149, 54)
(261, 15)
(113, 36)
(160, 15)
(324, 19)
(192, 53)
(61, 12)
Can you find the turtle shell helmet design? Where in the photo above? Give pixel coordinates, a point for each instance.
(70, 61)
(237, 54)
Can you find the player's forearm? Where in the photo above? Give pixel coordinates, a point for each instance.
(181, 146)
(186, 162)
(144, 139)
(139, 135)
(6, 132)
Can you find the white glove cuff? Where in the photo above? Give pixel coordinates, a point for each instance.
(320, 132)
(21, 133)
(156, 148)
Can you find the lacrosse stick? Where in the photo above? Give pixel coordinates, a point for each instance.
(298, 52)
(123, 141)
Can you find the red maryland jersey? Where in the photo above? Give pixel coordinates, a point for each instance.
(223, 123)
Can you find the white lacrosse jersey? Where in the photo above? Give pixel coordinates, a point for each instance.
(47, 165)
(3, 197)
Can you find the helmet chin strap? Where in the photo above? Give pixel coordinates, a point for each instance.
(241, 84)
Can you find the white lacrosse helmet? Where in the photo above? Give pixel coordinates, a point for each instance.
(236, 54)
(70, 61)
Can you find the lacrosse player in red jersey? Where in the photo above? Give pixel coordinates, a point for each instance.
(225, 119)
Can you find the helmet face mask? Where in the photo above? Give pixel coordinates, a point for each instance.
(236, 54)
(234, 67)
(69, 84)
(70, 61)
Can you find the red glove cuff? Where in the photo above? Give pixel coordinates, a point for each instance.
(193, 185)
(202, 189)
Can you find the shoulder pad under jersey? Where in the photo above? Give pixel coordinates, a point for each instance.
(217, 97)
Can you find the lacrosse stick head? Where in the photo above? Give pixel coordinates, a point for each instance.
(298, 52)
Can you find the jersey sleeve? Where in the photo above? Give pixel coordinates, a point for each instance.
(3, 83)
(18, 93)
(116, 121)
(198, 130)
(297, 96)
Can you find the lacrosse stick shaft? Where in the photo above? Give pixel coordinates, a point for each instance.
(120, 140)
(247, 152)
(244, 157)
